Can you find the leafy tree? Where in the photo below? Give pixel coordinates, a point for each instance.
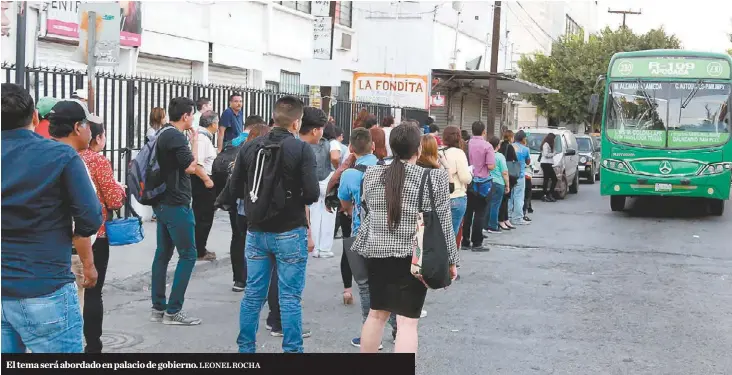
(573, 68)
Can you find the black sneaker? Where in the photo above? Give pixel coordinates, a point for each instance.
(526, 218)
(481, 249)
(238, 286)
(465, 246)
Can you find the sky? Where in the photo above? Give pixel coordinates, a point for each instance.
(700, 24)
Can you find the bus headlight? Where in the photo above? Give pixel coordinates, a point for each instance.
(716, 168)
(616, 165)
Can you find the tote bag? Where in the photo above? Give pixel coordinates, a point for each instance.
(430, 259)
(125, 231)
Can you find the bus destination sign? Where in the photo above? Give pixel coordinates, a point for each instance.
(666, 67)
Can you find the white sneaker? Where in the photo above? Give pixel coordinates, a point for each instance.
(423, 314)
(324, 254)
(523, 222)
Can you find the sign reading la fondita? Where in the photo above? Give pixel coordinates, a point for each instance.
(63, 20)
(402, 90)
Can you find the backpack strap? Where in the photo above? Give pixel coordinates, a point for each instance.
(425, 175)
(362, 168)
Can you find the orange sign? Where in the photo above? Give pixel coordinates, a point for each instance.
(402, 90)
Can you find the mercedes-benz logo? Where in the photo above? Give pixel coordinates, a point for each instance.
(665, 167)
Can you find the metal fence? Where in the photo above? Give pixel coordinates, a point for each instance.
(124, 103)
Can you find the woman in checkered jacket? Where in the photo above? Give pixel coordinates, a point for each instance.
(386, 239)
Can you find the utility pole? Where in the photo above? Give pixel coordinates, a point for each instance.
(624, 13)
(493, 83)
(92, 62)
(20, 44)
(327, 91)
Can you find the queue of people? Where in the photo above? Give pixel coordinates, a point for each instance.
(286, 185)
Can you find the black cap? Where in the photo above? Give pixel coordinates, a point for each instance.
(69, 112)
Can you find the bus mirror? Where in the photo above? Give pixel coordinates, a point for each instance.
(600, 78)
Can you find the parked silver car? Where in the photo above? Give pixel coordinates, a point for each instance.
(566, 160)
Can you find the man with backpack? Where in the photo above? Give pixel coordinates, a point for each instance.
(177, 159)
(275, 176)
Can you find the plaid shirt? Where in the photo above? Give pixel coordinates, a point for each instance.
(375, 240)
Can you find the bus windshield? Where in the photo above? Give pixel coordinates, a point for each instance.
(669, 114)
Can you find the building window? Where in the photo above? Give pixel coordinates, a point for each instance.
(290, 83)
(342, 93)
(301, 6)
(572, 27)
(344, 13)
(272, 86)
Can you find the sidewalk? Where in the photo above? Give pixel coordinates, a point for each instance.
(130, 266)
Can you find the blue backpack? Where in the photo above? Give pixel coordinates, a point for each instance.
(144, 179)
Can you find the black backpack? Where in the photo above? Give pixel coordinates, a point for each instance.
(331, 198)
(267, 193)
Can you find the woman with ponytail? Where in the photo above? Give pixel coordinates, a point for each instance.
(386, 238)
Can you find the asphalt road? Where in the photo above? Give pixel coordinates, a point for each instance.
(582, 290)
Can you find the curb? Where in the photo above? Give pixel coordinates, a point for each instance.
(141, 281)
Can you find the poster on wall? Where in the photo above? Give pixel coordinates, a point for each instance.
(62, 20)
(402, 90)
(9, 16)
(107, 45)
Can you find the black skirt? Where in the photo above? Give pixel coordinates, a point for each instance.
(393, 288)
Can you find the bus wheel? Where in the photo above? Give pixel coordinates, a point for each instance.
(716, 207)
(617, 202)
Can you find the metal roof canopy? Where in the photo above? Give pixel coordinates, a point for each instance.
(481, 79)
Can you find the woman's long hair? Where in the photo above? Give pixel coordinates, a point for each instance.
(428, 157)
(257, 131)
(550, 140)
(360, 118)
(379, 138)
(157, 115)
(405, 142)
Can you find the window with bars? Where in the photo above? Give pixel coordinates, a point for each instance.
(572, 27)
(343, 92)
(344, 13)
(272, 86)
(290, 83)
(301, 6)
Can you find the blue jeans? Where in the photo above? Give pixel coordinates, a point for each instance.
(494, 205)
(176, 230)
(516, 204)
(457, 208)
(290, 250)
(46, 324)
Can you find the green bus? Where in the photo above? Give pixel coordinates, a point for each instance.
(666, 127)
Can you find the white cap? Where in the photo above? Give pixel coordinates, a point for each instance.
(80, 93)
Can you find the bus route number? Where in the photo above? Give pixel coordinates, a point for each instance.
(671, 68)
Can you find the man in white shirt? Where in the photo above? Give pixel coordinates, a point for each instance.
(204, 194)
(203, 105)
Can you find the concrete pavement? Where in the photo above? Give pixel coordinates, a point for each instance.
(582, 290)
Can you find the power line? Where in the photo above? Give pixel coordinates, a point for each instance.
(536, 23)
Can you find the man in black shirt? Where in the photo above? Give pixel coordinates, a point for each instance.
(283, 234)
(176, 223)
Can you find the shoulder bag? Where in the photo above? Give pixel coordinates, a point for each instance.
(430, 259)
(125, 231)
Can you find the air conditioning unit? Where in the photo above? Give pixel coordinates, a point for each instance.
(345, 42)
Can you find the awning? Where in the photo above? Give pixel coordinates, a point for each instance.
(480, 79)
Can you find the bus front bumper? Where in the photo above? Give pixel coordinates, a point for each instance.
(619, 183)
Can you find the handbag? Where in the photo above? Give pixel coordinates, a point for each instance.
(125, 231)
(430, 259)
(514, 169)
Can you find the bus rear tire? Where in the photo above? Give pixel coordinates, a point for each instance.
(617, 203)
(716, 207)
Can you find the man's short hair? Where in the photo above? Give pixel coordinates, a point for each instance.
(288, 109)
(179, 107)
(313, 118)
(370, 122)
(17, 107)
(208, 118)
(478, 128)
(231, 97)
(429, 121)
(519, 136)
(361, 141)
(201, 102)
(253, 120)
(434, 128)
